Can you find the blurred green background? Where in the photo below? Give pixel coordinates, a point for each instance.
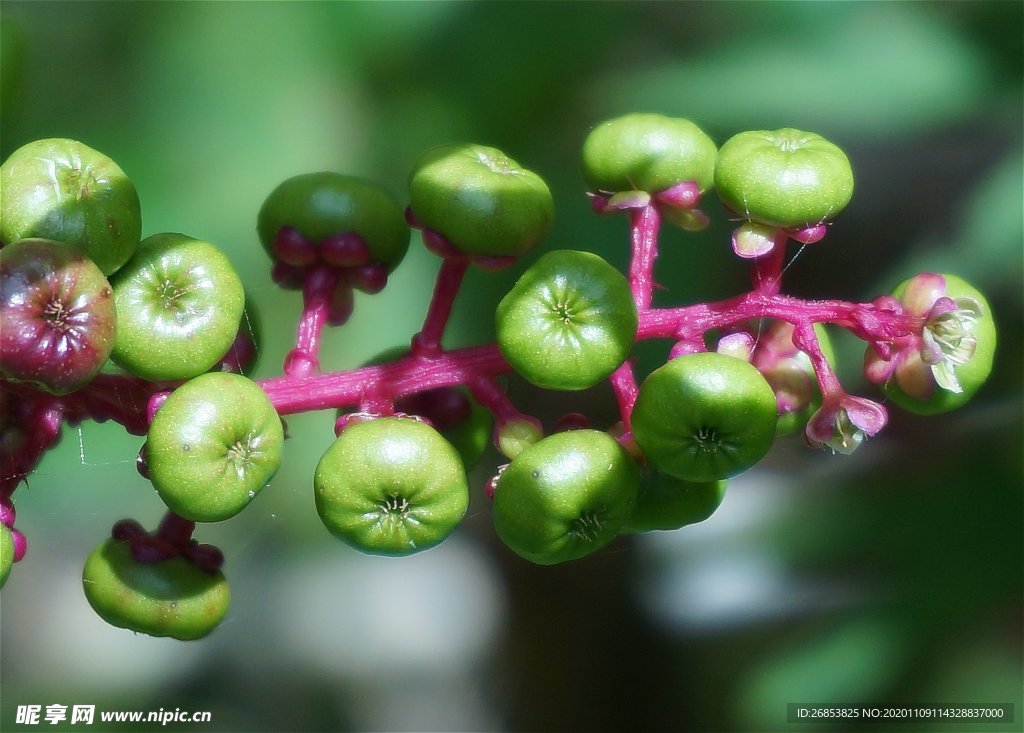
(889, 577)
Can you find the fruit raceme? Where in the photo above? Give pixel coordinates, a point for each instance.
(742, 371)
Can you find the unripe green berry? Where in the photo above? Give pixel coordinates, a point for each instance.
(64, 190)
(213, 445)
(391, 486)
(783, 178)
(482, 201)
(168, 598)
(325, 204)
(179, 303)
(568, 322)
(647, 152)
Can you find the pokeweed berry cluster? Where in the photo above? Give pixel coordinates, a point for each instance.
(99, 325)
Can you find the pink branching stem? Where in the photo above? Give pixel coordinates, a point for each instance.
(624, 385)
(644, 223)
(864, 320)
(292, 395)
(449, 278)
(317, 292)
(493, 398)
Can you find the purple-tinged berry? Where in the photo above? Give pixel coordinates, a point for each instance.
(58, 321)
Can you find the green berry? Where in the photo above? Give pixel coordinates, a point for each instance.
(213, 445)
(783, 178)
(63, 190)
(703, 417)
(480, 200)
(179, 302)
(647, 152)
(568, 322)
(565, 496)
(391, 486)
(323, 205)
(665, 502)
(168, 598)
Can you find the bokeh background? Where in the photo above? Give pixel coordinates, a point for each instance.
(889, 577)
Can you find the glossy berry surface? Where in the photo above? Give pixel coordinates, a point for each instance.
(57, 316)
(179, 303)
(783, 178)
(168, 598)
(213, 445)
(703, 417)
(565, 496)
(391, 486)
(647, 152)
(481, 200)
(64, 190)
(568, 322)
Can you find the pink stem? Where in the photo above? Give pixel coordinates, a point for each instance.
(864, 320)
(767, 270)
(644, 223)
(624, 386)
(449, 278)
(493, 398)
(805, 339)
(292, 395)
(317, 291)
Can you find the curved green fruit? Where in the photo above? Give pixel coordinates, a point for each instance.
(324, 204)
(213, 445)
(391, 486)
(480, 200)
(565, 496)
(647, 152)
(64, 190)
(179, 302)
(665, 502)
(167, 598)
(568, 322)
(703, 417)
(783, 178)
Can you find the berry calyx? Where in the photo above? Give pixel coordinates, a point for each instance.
(57, 315)
(64, 190)
(480, 200)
